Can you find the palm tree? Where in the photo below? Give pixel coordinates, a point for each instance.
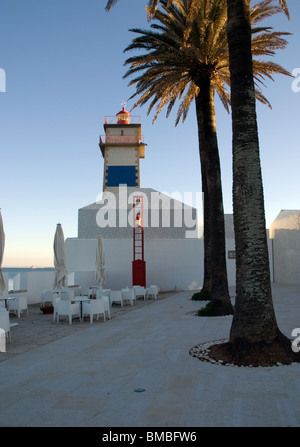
(254, 329)
(167, 71)
(194, 67)
(261, 331)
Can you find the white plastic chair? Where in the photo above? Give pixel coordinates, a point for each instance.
(47, 296)
(66, 294)
(93, 290)
(152, 291)
(18, 304)
(116, 297)
(55, 301)
(5, 323)
(66, 308)
(77, 291)
(139, 291)
(128, 295)
(106, 292)
(106, 305)
(93, 307)
(99, 294)
(84, 291)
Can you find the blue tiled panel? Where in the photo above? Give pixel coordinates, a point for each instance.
(117, 175)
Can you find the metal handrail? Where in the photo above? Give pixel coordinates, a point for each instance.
(121, 139)
(114, 120)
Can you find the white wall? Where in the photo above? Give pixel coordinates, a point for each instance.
(81, 278)
(174, 263)
(34, 282)
(286, 247)
(20, 281)
(285, 234)
(170, 263)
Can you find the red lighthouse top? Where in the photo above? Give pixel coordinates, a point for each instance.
(123, 117)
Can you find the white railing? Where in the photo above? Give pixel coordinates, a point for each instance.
(115, 119)
(121, 139)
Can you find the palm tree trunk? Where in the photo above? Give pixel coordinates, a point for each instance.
(209, 156)
(206, 288)
(254, 320)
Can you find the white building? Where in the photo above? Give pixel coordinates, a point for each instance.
(173, 250)
(285, 237)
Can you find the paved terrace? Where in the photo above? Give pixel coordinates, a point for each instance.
(38, 329)
(135, 371)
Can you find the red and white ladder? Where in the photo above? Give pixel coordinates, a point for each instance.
(138, 264)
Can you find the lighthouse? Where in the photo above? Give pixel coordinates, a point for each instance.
(148, 236)
(122, 147)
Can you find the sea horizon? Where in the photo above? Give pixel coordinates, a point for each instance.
(6, 269)
(13, 271)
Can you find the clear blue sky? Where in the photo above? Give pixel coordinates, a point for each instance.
(63, 61)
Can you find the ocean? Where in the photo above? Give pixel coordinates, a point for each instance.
(13, 271)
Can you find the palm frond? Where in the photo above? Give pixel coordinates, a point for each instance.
(284, 7)
(186, 42)
(110, 4)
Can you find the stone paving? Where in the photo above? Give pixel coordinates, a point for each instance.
(136, 371)
(37, 329)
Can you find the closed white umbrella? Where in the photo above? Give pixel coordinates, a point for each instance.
(2, 244)
(60, 280)
(100, 261)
